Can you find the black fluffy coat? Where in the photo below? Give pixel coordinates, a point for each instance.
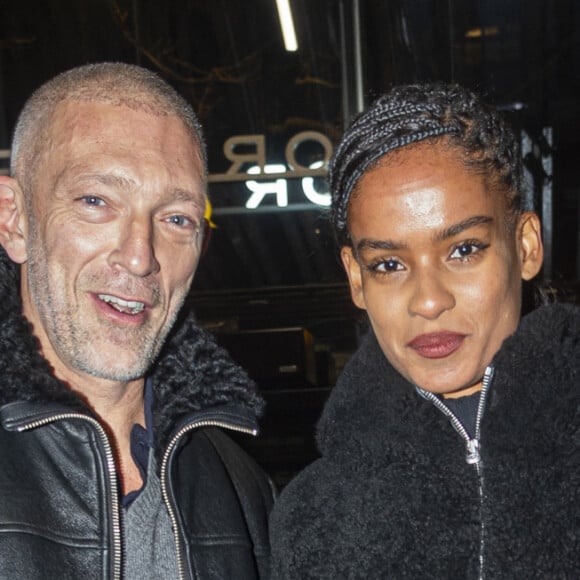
(192, 372)
(393, 497)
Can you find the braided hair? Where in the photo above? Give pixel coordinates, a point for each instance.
(408, 114)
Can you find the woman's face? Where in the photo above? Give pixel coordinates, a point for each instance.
(436, 265)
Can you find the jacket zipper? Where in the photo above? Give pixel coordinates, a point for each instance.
(163, 475)
(111, 472)
(473, 456)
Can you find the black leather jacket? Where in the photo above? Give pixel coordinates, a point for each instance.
(60, 513)
(59, 499)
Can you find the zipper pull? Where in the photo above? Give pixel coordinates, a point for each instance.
(473, 455)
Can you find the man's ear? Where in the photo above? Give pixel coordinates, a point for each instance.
(530, 244)
(12, 220)
(354, 274)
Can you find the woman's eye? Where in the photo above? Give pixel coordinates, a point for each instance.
(387, 266)
(467, 249)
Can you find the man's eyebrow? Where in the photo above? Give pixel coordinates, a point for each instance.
(460, 227)
(112, 180)
(109, 179)
(198, 199)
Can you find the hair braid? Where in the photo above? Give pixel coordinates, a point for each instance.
(412, 113)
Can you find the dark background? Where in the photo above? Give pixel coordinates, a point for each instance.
(270, 285)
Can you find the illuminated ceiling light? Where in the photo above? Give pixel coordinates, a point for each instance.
(287, 25)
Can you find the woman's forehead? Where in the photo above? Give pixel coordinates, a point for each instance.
(424, 188)
(414, 168)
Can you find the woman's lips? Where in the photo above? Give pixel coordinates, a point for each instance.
(437, 344)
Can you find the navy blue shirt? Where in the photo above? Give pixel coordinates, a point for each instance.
(465, 409)
(142, 441)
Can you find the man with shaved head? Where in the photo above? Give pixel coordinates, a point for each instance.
(113, 402)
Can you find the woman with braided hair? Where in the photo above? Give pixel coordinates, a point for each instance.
(450, 447)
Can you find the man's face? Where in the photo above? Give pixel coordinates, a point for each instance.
(114, 238)
(436, 267)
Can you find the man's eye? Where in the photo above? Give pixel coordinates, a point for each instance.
(180, 221)
(93, 200)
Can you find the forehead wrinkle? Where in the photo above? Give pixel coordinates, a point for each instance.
(462, 226)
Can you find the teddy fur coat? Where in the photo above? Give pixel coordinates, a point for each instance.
(393, 497)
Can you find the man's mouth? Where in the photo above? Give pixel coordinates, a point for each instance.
(124, 306)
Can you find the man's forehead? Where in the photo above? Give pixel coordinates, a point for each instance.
(74, 113)
(73, 118)
(142, 101)
(84, 122)
(100, 141)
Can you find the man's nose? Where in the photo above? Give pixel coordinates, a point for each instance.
(430, 294)
(135, 250)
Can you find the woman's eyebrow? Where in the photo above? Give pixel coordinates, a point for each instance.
(370, 244)
(460, 227)
(449, 232)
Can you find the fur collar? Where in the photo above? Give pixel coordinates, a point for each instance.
(192, 372)
(373, 412)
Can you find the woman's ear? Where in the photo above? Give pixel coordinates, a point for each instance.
(12, 220)
(530, 244)
(353, 272)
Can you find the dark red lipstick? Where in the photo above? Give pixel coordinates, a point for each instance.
(437, 344)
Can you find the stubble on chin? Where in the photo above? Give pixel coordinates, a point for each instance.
(85, 342)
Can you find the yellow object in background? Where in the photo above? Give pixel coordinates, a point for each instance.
(208, 212)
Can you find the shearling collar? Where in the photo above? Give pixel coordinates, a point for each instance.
(192, 372)
(374, 412)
